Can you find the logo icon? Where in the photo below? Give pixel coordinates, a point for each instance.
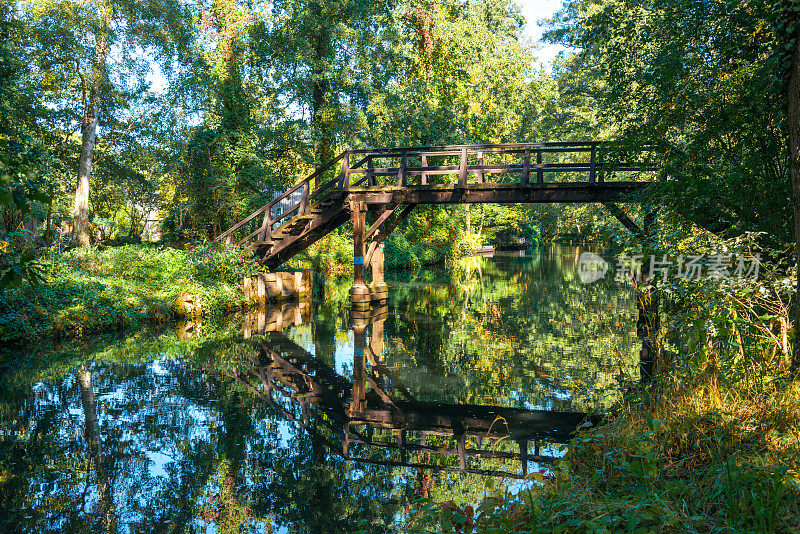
(591, 267)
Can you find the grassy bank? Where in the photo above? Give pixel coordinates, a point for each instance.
(690, 457)
(90, 290)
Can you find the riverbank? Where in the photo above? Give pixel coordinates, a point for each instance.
(89, 290)
(684, 455)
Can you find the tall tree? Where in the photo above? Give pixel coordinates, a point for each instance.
(327, 59)
(90, 101)
(789, 23)
(94, 440)
(81, 89)
(697, 80)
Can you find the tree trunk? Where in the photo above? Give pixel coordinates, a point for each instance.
(49, 226)
(80, 227)
(793, 105)
(321, 90)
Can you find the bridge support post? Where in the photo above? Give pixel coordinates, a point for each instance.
(378, 290)
(359, 293)
(376, 342)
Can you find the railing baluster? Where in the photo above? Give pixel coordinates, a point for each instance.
(304, 207)
(424, 179)
(600, 175)
(462, 170)
(370, 173)
(539, 171)
(481, 176)
(592, 164)
(344, 176)
(526, 167)
(401, 174)
(266, 226)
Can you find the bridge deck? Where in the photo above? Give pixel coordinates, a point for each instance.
(497, 193)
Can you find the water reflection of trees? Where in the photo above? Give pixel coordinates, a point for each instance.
(176, 444)
(527, 331)
(165, 447)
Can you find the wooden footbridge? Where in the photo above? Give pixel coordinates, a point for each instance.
(389, 182)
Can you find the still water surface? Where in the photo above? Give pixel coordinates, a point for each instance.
(309, 418)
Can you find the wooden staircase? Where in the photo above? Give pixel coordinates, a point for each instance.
(286, 226)
(387, 179)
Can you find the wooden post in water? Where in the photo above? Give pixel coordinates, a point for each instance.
(376, 342)
(523, 455)
(346, 439)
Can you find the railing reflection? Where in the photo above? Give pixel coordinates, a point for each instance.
(374, 418)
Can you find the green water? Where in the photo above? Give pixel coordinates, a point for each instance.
(307, 418)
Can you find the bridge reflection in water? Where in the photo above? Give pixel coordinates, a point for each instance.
(375, 411)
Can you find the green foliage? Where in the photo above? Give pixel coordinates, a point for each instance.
(17, 192)
(700, 84)
(634, 478)
(333, 254)
(84, 291)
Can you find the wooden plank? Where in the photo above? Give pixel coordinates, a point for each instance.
(539, 167)
(241, 223)
(526, 168)
(436, 467)
(370, 172)
(623, 218)
(370, 252)
(266, 227)
(249, 237)
(357, 215)
(493, 169)
(304, 205)
(344, 175)
(392, 225)
(503, 193)
(558, 145)
(374, 227)
(471, 453)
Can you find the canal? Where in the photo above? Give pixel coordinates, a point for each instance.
(305, 417)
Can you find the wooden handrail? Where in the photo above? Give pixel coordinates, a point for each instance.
(485, 147)
(240, 223)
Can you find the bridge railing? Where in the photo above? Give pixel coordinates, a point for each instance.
(525, 163)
